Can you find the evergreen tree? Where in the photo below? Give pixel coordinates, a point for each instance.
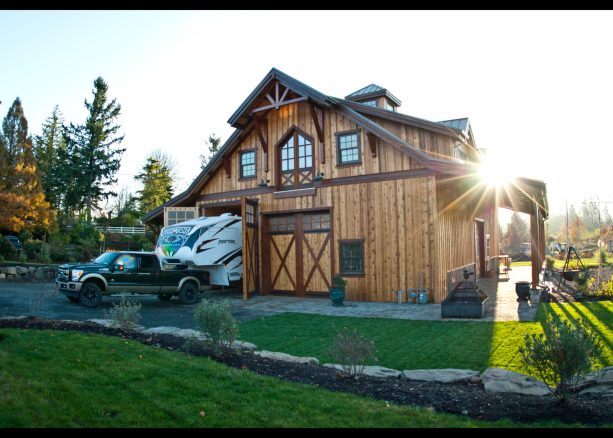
(22, 202)
(156, 177)
(47, 147)
(517, 232)
(213, 146)
(96, 153)
(14, 134)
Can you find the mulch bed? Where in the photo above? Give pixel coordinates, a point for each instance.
(459, 398)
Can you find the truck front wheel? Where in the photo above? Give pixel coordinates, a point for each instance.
(189, 293)
(90, 295)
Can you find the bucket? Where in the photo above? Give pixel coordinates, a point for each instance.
(423, 297)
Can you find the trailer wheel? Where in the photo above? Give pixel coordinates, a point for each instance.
(189, 293)
(165, 297)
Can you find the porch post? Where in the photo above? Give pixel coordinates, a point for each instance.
(535, 240)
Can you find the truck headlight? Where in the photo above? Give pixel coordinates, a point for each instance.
(76, 274)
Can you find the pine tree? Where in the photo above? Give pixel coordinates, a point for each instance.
(14, 134)
(517, 232)
(96, 156)
(22, 202)
(47, 147)
(213, 146)
(156, 177)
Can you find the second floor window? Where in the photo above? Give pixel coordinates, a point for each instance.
(348, 148)
(247, 160)
(296, 162)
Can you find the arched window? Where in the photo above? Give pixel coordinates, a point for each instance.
(295, 161)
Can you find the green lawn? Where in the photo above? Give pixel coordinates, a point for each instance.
(402, 344)
(591, 262)
(522, 263)
(69, 379)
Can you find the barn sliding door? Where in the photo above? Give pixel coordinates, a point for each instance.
(250, 247)
(298, 253)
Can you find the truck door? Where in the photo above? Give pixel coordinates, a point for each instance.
(147, 275)
(123, 274)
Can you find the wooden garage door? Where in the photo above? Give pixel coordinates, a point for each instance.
(298, 257)
(250, 247)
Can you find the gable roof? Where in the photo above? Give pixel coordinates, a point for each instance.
(459, 124)
(241, 119)
(372, 90)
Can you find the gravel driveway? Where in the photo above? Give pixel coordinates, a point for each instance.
(41, 299)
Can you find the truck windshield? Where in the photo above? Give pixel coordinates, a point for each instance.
(106, 258)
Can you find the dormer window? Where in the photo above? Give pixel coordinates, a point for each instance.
(459, 153)
(375, 96)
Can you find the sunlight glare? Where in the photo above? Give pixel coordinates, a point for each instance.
(497, 171)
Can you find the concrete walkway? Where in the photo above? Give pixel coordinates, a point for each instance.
(502, 305)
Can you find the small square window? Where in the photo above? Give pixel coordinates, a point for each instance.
(352, 257)
(247, 164)
(348, 148)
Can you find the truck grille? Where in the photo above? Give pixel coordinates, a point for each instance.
(62, 275)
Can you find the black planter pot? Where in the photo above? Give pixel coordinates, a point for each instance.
(522, 289)
(337, 295)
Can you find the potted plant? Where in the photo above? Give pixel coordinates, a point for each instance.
(549, 263)
(337, 290)
(582, 280)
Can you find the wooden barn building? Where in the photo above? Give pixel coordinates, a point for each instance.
(353, 186)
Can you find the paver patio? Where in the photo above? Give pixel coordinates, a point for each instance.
(502, 304)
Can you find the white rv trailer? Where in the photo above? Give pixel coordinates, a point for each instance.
(213, 244)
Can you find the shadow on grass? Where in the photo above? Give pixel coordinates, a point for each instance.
(601, 314)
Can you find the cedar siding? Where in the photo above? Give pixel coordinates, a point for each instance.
(408, 200)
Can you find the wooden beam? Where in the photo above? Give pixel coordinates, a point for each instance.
(535, 246)
(372, 141)
(260, 128)
(316, 122)
(227, 164)
(317, 117)
(261, 125)
(284, 94)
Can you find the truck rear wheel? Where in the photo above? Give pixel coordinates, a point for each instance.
(90, 295)
(165, 297)
(189, 293)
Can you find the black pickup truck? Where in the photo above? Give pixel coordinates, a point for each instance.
(130, 272)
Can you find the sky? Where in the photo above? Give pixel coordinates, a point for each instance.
(537, 86)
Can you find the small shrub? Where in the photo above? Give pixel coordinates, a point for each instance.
(215, 320)
(338, 281)
(45, 253)
(125, 314)
(606, 288)
(549, 262)
(22, 258)
(583, 280)
(603, 256)
(352, 350)
(561, 355)
(6, 249)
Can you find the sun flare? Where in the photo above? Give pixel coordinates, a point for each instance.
(497, 171)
